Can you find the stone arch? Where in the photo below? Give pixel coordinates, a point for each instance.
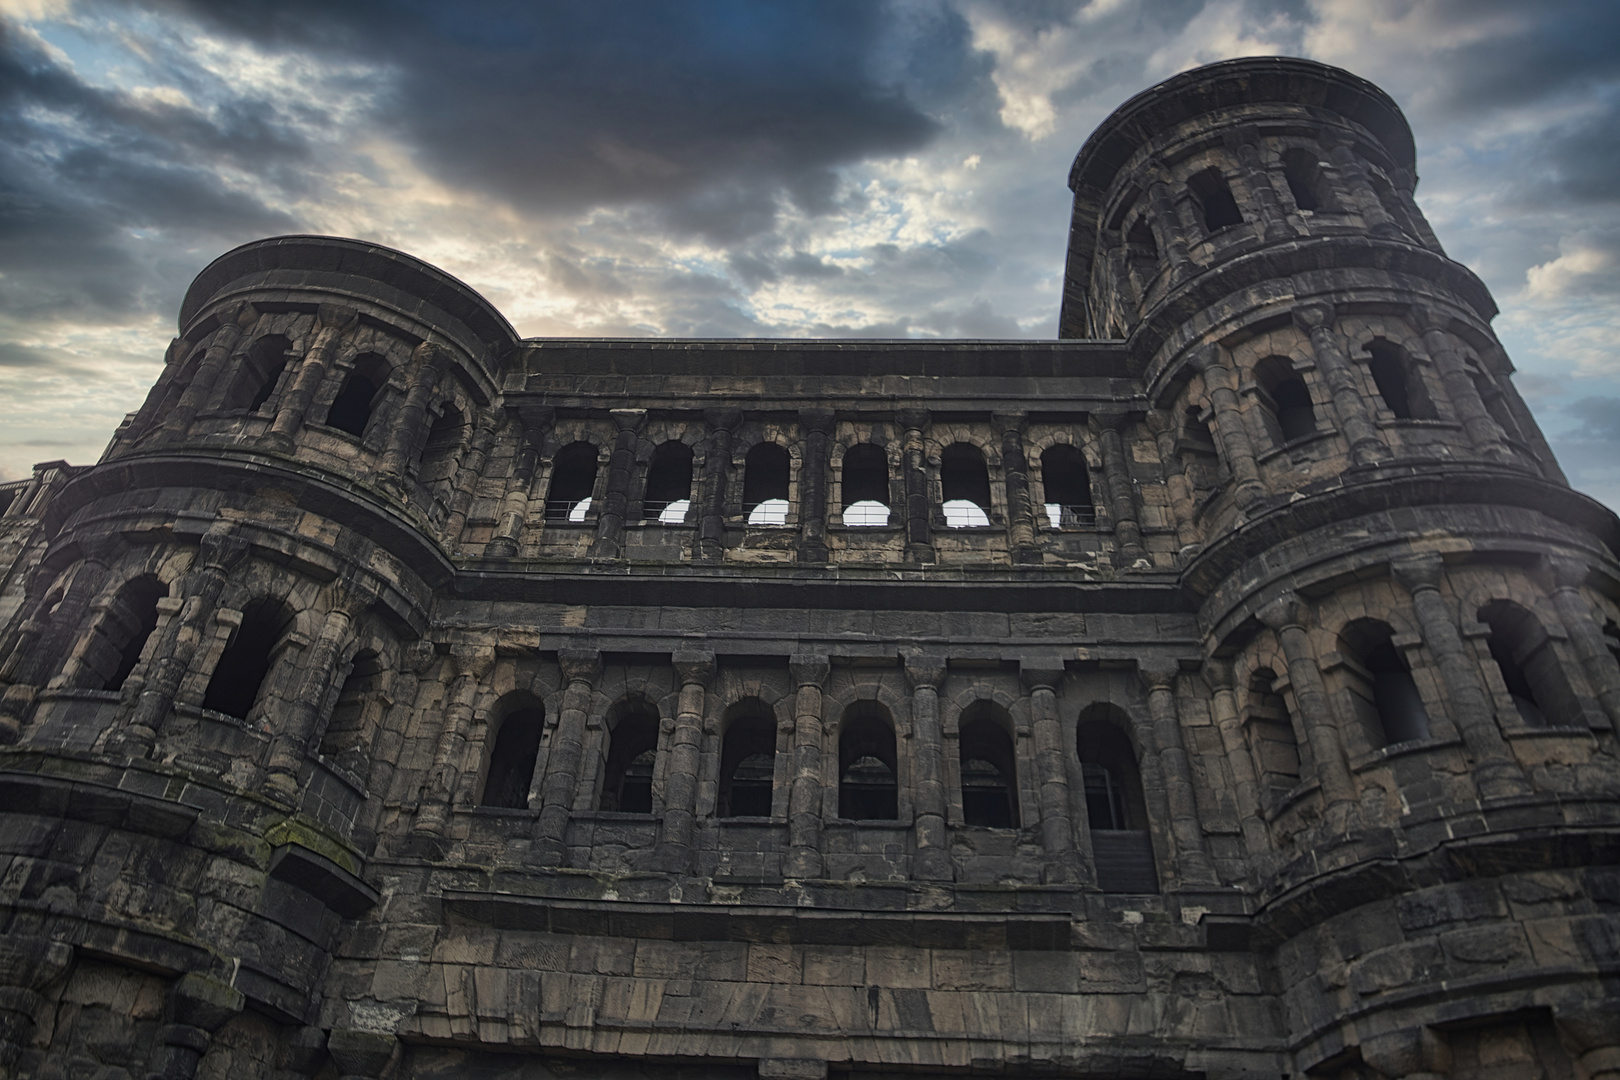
(630, 761)
(238, 679)
(1116, 804)
(364, 386)
(868, 763)
(987, 766)
(509, 767)
(748, 759)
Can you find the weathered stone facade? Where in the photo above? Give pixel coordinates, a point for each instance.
(1226, 689)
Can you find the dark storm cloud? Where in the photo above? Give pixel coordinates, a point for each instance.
(711, 110)
(82, 169)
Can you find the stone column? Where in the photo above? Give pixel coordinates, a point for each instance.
(1580, 622)
(1496, 773)
(1121, 492)
(468, 473)
(46, 640)
(711, 539)
(816, 427)
(805, 795)
(1414, 1053)
(1403, 182)
(581, 667)
(1592, 1030)
(1220, 384)
(1020, 506)
(1060, 863)
(1367, 446)
(429, 363)
(233, 323)
(1192, 856)
(291, 745)
(926, 674)
(1254, 176)
(1360, 194)
(197, 1008)
(1286, 617)
(333, 322)
(363, 1055)
(919, 527)
(28, 962)
(678, 827)
(1245, 782)
(1179, 489)
(515, 504)
(470, 664)
(1478, 424)
(1167, 230)
(609, 542)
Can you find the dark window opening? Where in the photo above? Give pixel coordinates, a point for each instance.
(259, 373)
(243, 666)
(865, 485)
(1215, 201)
(443, 446)
(1398, 382)
(511, 760)
(765, 485)
(1305, 180)
(1286, 401)
(341, 742)
(1271, 733)
(989, 789)
(867, 788)
(1611, 638)
(632, 754)
(130, 621)
(1383, 691)
(747, 768)
(668, 497)
(964, 481)
(573, 481)
(1121, 846)
(1494, 399)
(1067, 485)
(1529, 665)
(351, 409)
(1142, 254)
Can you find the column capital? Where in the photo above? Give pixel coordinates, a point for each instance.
(1041, 678)
(1008, 423)
(580, 663)
(244, 315)
(1218, 673)
(1418, 572)
(1317, 315)
(1206, 359)
(1286, 611)
(1567, 572)
(912, 419)
(338, 317)
(1428, 318)
(819, 420)
(628, 419)
(536, 420)
(694, 666)
(924, 669)
(1158, 672)
(473, 660)
(809, 669)
(723, 419)
(1108, 419)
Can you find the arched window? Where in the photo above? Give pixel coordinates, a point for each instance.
(668, 497)
(965, 483)
(765, 485)
(632, 754)
(1271, 733)
(865, 485)
(260, 370)
(1382, 692)
(867, 786)
(1398, 381)
(1214, 199)
(1142, 254)
(1530, 669)
(573, 480)
(1067, 484)
(243, 666)
(443, 447)
(511, 759)
(351, 409)
(747, 767)
(1285, 400)
(1306, 183)
(119, 638)
(1494, 399)
(989, 774)
(345, 729)
(1115, 807)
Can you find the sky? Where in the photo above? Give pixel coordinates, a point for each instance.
(736, 168)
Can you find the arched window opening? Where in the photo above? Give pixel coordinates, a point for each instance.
(1215, 201)
(511, 760)
(1529, 666)
(243, 666)
(261, 370)
(443, 446)
(1494, 399)
(765, 485)
(867, 787)
(1115, 807)
(964, 481)
(865, 485)
(1067, 484)
(989, 787)
(1398, 382)
(1611, 638)
(1271, 733)
(1285, 400)
(573, 480)
(341, 740)
(747, 768)
(1383, 693)
(351, 409)
(1142, 254)
(632, 754)
(669, 484)
(1306, 183)
(129, 622)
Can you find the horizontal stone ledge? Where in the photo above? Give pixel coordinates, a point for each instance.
(48, 796)
(763, 925)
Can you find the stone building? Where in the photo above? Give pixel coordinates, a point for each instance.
(1225, 689)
